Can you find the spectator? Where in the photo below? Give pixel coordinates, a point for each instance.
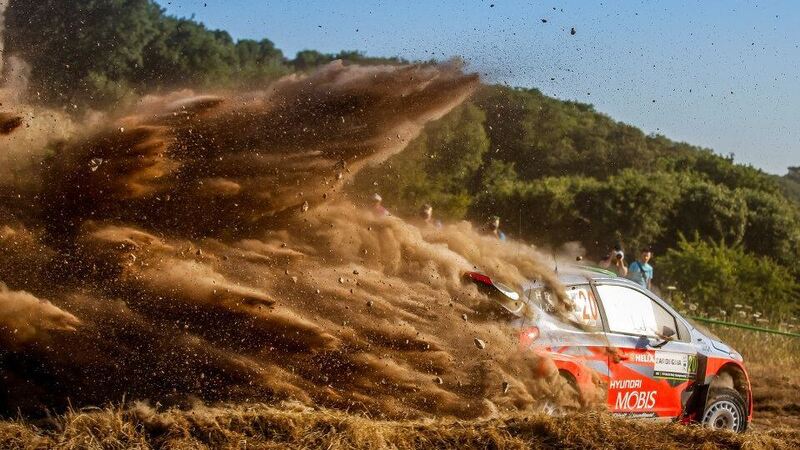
(640, 271)
(615, 260)
(377, 206)
(426, 214)
(494, 228)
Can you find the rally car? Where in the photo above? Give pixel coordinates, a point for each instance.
(623, 338)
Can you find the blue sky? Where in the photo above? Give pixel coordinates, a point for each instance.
(720, 74)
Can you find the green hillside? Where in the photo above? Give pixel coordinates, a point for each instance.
(558, 171)
(555, 171)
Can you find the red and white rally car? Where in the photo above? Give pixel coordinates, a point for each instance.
(652, 361)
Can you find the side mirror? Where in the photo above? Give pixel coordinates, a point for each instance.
(667, 334)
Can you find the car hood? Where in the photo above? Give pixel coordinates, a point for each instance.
(721, 346)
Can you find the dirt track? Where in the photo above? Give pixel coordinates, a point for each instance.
(777, 399)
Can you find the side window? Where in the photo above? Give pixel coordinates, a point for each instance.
(543, 298)
(585, 310)
(631, 312)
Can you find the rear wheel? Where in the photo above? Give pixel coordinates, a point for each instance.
(571, 394)
(725, 410)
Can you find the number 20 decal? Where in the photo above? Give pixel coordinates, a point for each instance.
(589, 306)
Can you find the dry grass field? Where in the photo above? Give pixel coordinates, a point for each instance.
(773, 362)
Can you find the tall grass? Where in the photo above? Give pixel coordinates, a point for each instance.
(293, 426)
(762, 349)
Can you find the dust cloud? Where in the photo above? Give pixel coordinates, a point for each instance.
(23, 316)
(200, 246)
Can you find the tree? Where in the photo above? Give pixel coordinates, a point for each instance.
(790, 185)
(711, 210)
(89, 49)
(439, 167)
(771, 228)
(308, 59)
(96, 52)
(718, 277)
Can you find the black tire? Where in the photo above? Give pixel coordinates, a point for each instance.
(725, 410)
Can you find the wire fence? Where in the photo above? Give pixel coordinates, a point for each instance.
(745, 326)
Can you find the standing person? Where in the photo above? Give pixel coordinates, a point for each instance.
(615, 260)
(494, 228)
(640, 271)
(426, 214)
(377, 206)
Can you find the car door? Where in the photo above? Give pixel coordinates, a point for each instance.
(647, 374)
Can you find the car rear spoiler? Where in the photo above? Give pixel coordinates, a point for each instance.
(509, 299)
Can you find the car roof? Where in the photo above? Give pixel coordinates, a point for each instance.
(580, 274)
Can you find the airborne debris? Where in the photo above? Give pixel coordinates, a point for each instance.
(572, 31)
(304, 207)
(506, 387)
(216, 305)
(94, 164)
(479, 343)
(464, 317)
(9, 122)
(438, 380)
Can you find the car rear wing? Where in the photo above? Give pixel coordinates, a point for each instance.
(506, 297)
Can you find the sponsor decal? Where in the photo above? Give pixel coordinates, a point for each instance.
(692, 365)
(646, 358)
(626, 384)
(635, 400)
(585, 308)
(676, 366)
(636, 415)
(631, 397)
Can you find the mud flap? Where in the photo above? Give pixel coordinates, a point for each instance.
(695, 397)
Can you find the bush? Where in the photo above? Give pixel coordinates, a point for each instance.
(718, 277)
